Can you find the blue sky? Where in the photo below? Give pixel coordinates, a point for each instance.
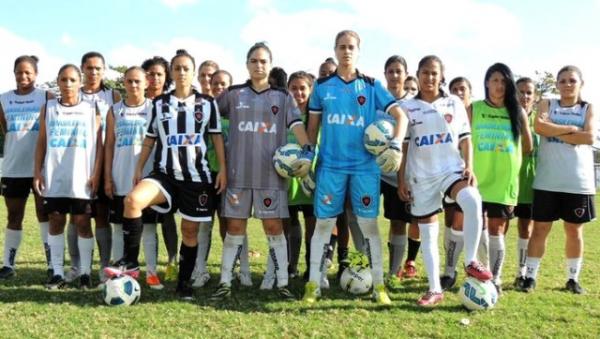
(469, 35)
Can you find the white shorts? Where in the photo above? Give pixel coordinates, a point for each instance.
(428, 193)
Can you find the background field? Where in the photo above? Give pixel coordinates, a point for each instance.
(28, 310)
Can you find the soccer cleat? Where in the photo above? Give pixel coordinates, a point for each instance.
(311, 292)
(102, 278)
(85, 282)
(528, 285)
(153, 281)
(7, 272)
(476, 270)
(285, 294)
(324, 284)
(121, 267)
(410, 270)
(518, 282)
(49, 274)
(342, 267)
(498, 287)
(393, 282)
(223, 292)
(184, 290)
(201, 279)
(380, 295)
(72, 275)
(56, 283)
(574, 287)
(447, 281)
(430, 299)
(245, 279)
(171, 272)
(268, 281)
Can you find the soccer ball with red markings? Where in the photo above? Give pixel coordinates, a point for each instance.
(378, 136)
(284, 158)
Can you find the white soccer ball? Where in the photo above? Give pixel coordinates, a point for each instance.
(377, 136)
(284, 157)
(356, 280)
(121, 290)
(478, 295)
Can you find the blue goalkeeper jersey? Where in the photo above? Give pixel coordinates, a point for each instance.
(346, 109)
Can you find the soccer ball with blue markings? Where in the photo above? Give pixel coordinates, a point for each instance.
(478, 295)
(284, 158)
(378, 136)
(121, 290)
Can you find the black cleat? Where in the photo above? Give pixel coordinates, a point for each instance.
(574, 287)
(447, 281)
(184, 290)
(528, 285)
(518, 282)
(85, 282)
(7, 272)
(56, 283)
(285, 293)
(223, 292)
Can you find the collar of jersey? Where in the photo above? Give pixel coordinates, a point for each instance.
(249, 85)
(443, 94)
(359, 75)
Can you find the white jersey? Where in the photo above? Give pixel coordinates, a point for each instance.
(563, 167)
(434, 133)
(70, 149)
(104, 99)
(21, 113)
(391, 178)
(130, 128)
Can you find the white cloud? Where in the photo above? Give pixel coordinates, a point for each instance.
(175, 4)
(66, 39)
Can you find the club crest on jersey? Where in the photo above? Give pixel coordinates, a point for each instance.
(267, 202)
(346, 119)
(361, 100)
(448, 117)
(274, 109)
(579, 212)
(366, 200)
(433, 139)
(198, 116)
(257, 127)
(203, 199)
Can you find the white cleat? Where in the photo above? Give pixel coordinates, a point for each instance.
(201, 279)
(72, 275)
(245, 279)
(268, 282)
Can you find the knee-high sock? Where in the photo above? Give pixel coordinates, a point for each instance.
(104, 240)
(469, 201)
(86, 248)
(187, 260)
(431, 256)
(318, 243)
(204, 237)
(522, 256)
(278, 253)
(483, 251)
(413, 249)
(243, 257)
(232, 246)
(44, 226)
(57, 253)
(270, 271)
(497, 250)
(132, 237)
(72, 245)
(446, 237)
(357, 237)
(169, 231)
(150, 241)
(370, 231)
(574, 268)
(294, 245)
(455, 246)
(397, 246)
(12, 241)
(117, 242)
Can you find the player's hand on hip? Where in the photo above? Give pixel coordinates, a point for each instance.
(221, 181)
(390, 159)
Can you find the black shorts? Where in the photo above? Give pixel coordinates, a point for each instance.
(16, 187)
(149, 216)
(494, 210)
(574, 208)
(393, 207)
(523, 211)
(195, 201)
(67, 206)
(101, 197)
(307, 210)
(213, 175)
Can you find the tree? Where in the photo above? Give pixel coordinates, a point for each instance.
(545, 84)
(117, 83)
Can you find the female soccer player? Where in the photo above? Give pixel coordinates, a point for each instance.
(565, 191)
(126, 124)
(180, 179)
(411, 85)
(258, 115)
(327, 68)
(500, 134)
(347, 102)
(205, 71)
(68, 163)
(19, 121)
(439, 135)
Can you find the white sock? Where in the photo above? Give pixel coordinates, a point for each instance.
(318, 242)
(431, 255)
(397, 248)
(455, 246)
(86, 247)
(44, 226)
(533, 265)
(150, 240)
(270, 271)
(483, 251)
(12, 241)
(370, 231)
(574, 268)
(204, 237)
(446, 237)
(57, 253)
(469, 201)
(73, 247)
(118, 243)
(279, 255)
(244, 260)
(232, 246)
(497, 250)
(522, 256)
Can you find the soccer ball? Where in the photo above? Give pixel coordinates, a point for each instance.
(121, 290)
(478, 295)
(284, 157)
(377, 136)
(356, 280)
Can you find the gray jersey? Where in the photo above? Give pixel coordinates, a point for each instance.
(562, 167)
(21, 113)
(257, 127)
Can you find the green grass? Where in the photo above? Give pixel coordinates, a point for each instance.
(28, 310)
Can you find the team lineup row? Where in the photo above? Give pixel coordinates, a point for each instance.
(212, 151)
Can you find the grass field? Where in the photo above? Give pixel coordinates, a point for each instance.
(28, 310)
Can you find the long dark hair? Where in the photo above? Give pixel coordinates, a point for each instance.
(511, 100)
(160, 61)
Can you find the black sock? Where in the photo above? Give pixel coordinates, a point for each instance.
(331, 249)
(342, 254)
(169, 230)
(413, 249)
(132, 236)
(187, 261)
